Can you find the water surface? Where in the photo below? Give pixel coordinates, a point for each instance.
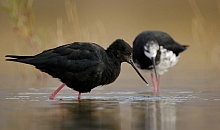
(101, 109)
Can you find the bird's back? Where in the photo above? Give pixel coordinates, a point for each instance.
(80, 65)
(162, 38)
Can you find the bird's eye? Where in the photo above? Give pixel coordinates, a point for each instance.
(127, 53)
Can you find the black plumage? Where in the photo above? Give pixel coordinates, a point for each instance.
(156, 51)
(82, 66)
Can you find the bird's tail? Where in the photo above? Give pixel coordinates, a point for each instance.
(186, 46)
(22, 59)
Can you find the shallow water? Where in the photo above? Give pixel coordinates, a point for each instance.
(170, 109)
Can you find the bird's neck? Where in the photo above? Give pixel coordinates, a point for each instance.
(113, 68)
(113, 58)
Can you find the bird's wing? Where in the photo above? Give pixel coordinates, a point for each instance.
(75, 57)
(168, 42)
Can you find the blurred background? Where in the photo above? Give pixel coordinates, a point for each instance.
(30, 26)
(190, 90)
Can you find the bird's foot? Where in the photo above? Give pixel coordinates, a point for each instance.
(56, 91)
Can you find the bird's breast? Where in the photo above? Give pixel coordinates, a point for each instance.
(110, 74)
(167, 59)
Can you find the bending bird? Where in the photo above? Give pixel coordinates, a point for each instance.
(81, 66)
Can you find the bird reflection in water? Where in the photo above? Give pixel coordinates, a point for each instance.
(89, 114)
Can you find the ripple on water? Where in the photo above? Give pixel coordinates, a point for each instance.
(128, 98)
(117, 96)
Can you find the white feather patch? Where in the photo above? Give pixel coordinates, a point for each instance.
(168, 59)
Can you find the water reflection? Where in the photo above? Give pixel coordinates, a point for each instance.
(153, 115)
(90, 114)
(170, 111)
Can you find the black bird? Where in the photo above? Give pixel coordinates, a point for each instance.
(81, 66)
(156, 51)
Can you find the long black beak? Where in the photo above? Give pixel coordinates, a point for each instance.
(132, 64)
(154, 65)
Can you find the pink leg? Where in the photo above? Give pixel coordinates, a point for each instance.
(158, 83)
(79, 96)
(154, 83)
(56, 91)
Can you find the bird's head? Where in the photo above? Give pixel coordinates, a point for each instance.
(150, 49)
(122, 51)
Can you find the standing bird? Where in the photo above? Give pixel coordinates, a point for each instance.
(81, 66)
(156, 51)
